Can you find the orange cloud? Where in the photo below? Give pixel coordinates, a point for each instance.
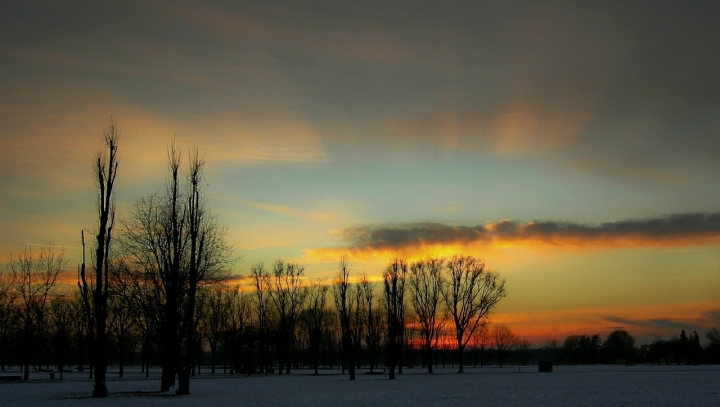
(514, 129)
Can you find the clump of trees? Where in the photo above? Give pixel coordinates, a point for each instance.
(683, 349)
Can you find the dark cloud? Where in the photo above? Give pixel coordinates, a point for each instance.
(623, 321)
(713, 316)
(662, 230)
(668, 323)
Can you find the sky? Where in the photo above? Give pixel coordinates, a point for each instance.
(573, 146)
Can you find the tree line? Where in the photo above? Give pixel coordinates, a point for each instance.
(275, 319)
(620, 347)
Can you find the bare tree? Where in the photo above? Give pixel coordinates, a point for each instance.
(394, 278)
(261, 279)
(347, 308)
(314, 319)
(79, 329)
(61, 314)
(7, 315)
(96, 308)
(207, 257)
(288, 295)
(33, 277)
(470, 294)
(214, 320)
(481, 340)
(178, 246)
(425, 283)
(504, 341)
(372, 316)
(237, 323)
(143, 303)
(120, 313)
(523, 351)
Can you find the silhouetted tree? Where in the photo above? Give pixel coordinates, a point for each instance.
(120, 316)
(214, 321)
(61, 329)
(582, 349)
(106, 168)
(33, 277)
(314, 319)
(7, 316)
(523, 351)
(144, 304)
(695, 349)
(394, 278)
(79, 329)
(287, 295)
(481, 340)
(504, 341)
(682, 348)
(239, 314)
(619, 345)
(347, 309)
(262, 288)
(372, 316)
(178, 246)
(712, 350)
(425, 283)
(470, 293)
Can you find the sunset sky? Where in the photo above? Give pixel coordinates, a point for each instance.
(574, 146)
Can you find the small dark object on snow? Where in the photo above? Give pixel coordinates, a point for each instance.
(545, 366)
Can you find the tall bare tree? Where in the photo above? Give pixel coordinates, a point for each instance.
(261, 278)
(33, 277)
(105, 169)
(314, 319)
(287, 295)
(7, 315)
(372, 318)
(347, 310)
(394, 278)
(469, 294)
(425, 284)
(178, 246)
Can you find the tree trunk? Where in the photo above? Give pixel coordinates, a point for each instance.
(213, 348)
(121, 362)
(461, 363)
(428, 352)
(167, 377)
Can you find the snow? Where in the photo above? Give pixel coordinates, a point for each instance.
(600, 385)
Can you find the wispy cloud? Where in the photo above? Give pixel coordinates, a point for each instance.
(291, 212)
(298, 31)
(515, 129)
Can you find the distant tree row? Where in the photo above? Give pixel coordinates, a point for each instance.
(275, 319)
(619, 347)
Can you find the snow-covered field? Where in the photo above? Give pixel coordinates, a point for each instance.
(509, 386)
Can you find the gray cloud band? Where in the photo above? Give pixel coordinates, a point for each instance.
(661, 229)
